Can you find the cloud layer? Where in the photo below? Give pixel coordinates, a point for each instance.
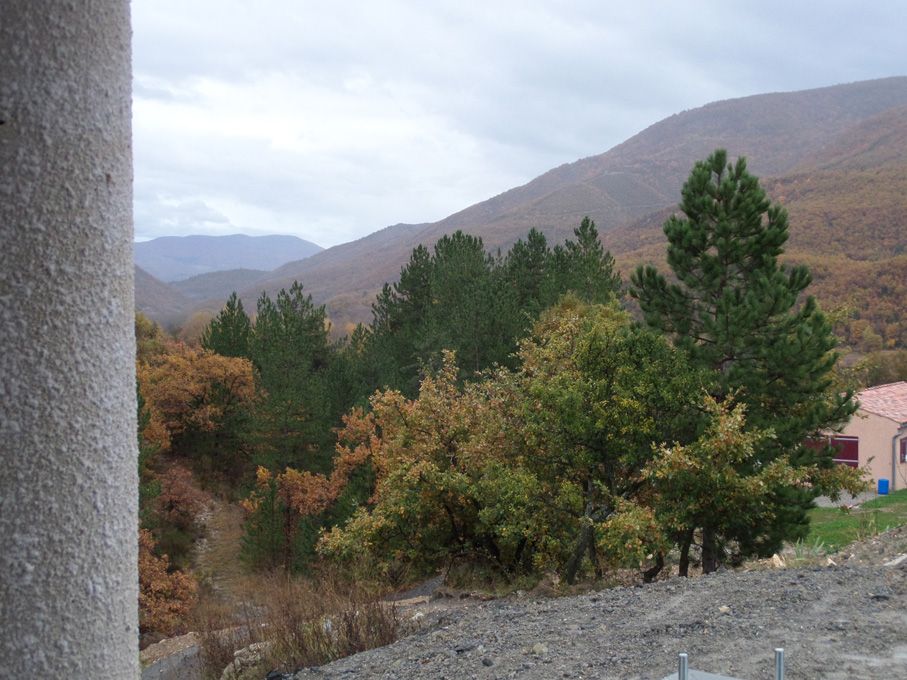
(332, 120)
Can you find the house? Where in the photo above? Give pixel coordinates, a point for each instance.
(876, 435)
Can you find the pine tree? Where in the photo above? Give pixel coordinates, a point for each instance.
(584, 267)
(739, 314)
(463, 312)
(229, 332)
(291, 354)
(397, 339)
(525, 272)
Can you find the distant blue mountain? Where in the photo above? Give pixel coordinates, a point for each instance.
(174, 258)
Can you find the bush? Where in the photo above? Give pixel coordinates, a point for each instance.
(180, 501)
(165, 598)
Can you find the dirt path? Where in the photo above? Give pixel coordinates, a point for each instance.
(218, 566)
(217, 558)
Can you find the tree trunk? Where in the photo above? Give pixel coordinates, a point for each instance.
(684, 566)
(518, 554)
(649, 574)
(710, 559)
(583, 541)
(593, 557)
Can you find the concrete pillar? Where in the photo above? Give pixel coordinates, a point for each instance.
(68, 482)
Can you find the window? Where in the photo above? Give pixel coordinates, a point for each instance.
(904, 450)
(847, 450)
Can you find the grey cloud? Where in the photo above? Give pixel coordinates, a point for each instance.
(445, 103)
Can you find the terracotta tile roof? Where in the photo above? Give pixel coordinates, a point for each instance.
(889, 401)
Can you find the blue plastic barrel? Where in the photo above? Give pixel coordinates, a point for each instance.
(883, 487)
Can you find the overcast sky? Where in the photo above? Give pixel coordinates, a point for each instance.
(330, 120)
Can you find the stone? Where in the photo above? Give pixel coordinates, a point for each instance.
(466, 646)
(244, 661)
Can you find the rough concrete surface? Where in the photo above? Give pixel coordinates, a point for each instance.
(68, 479)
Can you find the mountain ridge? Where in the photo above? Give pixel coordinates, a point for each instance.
(174, 258)
(638, 177)
(788, 138)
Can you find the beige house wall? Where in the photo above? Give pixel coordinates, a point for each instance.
(875, 433)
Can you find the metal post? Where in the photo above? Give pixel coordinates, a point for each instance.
(779, 663)
(683, 669)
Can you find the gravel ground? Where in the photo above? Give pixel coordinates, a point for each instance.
(846, 499)
(842, 621)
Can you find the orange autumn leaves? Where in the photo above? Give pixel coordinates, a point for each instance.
(183, 390)
(165, 597)
(189, 388)
(307, 494)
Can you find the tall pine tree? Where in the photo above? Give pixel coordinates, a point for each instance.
(739, 314)
(291, 354)
(229, 332)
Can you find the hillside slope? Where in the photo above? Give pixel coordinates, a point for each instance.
(160, 301)
(848, 222)
(617, 188)
(218, 285)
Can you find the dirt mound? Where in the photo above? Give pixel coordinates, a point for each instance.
(845, 620)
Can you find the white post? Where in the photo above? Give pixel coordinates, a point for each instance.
(68, 479)
(683, 668)
(779, 663)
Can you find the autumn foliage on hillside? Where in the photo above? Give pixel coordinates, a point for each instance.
(186, 389)
(188, 400)
(165, 597)
(509, 412)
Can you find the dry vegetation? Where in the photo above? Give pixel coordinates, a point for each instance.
(294, 623)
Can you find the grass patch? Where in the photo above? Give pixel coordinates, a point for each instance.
(837, 527)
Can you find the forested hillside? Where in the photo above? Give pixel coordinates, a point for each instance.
(160, 301)
(504, 414)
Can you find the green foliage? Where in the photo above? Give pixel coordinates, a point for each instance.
(738, 314)
(291, 353)
(599, 392)
(149, 486)
(444, 487)
(463, 316)
(705, 485)
(879, 368)
(264, 532)
(230, 332)
(520, 470)
(583, 267)
(461, 298)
